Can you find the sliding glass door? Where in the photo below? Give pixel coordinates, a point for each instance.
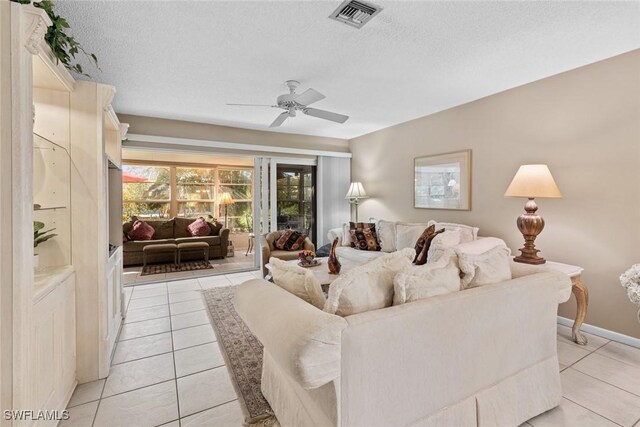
(296, 198)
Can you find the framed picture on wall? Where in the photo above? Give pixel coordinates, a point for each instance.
(443, 181)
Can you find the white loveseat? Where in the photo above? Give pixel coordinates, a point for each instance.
(484, 356)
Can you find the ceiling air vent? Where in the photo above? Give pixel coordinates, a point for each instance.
(355, 13)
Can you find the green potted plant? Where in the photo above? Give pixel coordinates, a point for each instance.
(40, 236)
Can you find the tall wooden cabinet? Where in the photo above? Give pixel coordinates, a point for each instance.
(96, 136)
(60, 157)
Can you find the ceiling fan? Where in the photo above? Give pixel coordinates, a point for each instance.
(293, 102)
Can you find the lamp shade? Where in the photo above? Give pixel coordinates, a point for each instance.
(533, 181)
(225, 199)
(356, 191)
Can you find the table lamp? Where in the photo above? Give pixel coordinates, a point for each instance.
(355, 193)
(225, 200)
(532, 181)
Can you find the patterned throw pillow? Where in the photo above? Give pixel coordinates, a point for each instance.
(363, 236)
(423, 244)
(141, 231)
(199, 227)
(290, 240)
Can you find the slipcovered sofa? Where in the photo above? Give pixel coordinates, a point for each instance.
(393, 236)
(483, 356)
(268, 250)
(175, 231)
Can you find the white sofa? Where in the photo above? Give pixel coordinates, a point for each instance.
(392, 236)
(480, 357)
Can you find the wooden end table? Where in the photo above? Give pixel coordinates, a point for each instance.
(580, 291)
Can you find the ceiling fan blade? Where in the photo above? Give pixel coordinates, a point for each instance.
(253, 105)
(279, 120)
(308, 97)
(327, 115)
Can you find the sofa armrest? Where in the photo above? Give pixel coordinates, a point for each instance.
(304, 341)
(265, 252)
(224, 240)
(333, 233)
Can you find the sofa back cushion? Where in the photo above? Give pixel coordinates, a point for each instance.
(407, 234)
(215, 227)
(436, 278)
(299, 281)
(164, 228)
(181, 227)
(467, 233)
(368, 286)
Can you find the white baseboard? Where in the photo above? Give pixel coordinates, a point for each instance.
(601, 332)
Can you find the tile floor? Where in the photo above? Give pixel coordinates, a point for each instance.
(168, 370)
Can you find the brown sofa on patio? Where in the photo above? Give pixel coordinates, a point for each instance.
(174, 231)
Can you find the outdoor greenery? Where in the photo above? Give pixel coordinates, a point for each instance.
(64, 46)
(147, 192)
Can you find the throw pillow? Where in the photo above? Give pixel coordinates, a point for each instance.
(199, 227)
(467, 233)
(408, 233)
(442, 242)
(386, 231)
(492, 266)
(368, 286)
(365, 239)
(435, 278)
(141, 231)
(215, 227)
(297, 280)
(290, 240)
(424, 243)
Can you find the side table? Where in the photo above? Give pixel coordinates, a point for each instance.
(580, 291)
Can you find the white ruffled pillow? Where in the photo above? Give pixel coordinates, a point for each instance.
(492, 266)
(467, 233)
(434, 278)
(386, 231)
(368, 286)
(298, 281)
(442, 242)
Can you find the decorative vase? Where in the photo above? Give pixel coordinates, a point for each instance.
(334, 264)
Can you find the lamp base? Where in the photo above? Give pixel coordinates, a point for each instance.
(530, 225)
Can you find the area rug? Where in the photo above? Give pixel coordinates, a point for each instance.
(242, 352)
(170, 267)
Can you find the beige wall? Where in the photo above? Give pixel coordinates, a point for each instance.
(585, 124)
(181, 129)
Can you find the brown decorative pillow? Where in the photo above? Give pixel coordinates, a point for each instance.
(424, 242)
(215, 227)
(290, 240)
(363, 236)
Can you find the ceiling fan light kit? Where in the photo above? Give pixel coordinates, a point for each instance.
(292, 102)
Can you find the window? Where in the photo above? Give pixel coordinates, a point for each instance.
(146, 191)
(196, 189)
(239, 184)
(159, 191)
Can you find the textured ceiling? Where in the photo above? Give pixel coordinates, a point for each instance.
(186, 59)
